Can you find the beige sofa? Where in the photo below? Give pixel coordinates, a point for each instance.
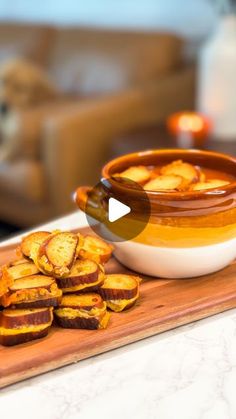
(112, 82)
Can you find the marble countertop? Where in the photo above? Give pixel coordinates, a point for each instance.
(186, 373)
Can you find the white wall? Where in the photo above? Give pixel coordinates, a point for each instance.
(193, 19)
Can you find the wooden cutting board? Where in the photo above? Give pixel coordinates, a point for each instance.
(164, 305)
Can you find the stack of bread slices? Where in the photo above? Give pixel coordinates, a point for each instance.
(60, 275)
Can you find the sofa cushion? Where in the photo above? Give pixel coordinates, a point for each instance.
(24, 179)
(17, 40)
(98, 61)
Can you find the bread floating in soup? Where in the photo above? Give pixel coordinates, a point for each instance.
(177, 176)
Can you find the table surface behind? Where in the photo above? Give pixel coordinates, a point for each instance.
(156, 136)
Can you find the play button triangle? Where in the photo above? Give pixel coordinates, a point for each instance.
(117, 210)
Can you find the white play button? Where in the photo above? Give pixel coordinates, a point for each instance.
(116, 210)
(111, 212)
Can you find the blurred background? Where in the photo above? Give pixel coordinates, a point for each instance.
(82, 82)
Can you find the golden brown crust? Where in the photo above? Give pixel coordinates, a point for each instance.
(93, 288)
(57, 253)
(128, 305)
(20, 261)
(45, 302)
(119, 287)
(5, 281)
(29, 241)
(77, 323)
(120, 291)
(96, 249)
(11, 319)
(83, 272)
(21, 270)
(121, 305)
(179, 168)
(19, 326)
(82, 301)
(138, 174)
(164, 183)
(33, 291)
(114, 294)
(32, 282)
(201, 175)
(210, 184)
(88, 287)
(82, 312)
(17, 339)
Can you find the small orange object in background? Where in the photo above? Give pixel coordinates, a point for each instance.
(190, 129)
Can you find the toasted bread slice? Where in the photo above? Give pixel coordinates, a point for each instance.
(32, 291)
(21, 270)
(28, 336)
(119, 286)
(138, 174)
(44, 302)
(14, 319)
(57, 254)
(82, 301)
(121, 305)
(33, 282)
(92, 288)
(201, 174)
(20, 326)
(60, 249)
(20, 261)
(82, 272)
(95, 249)
(217, 183)
(90, 323)
(179, 168)
(120, 291)
(164, 183)
(86, 286)
(210, 184)
(86, 311)
(31, 239)
(8, 274)
(5, 280)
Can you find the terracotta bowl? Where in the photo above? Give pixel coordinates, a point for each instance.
(188, 233)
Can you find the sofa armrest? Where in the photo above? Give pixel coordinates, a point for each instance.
(26, 128)
(76, 144)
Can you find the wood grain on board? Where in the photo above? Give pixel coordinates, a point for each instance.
(164, 305)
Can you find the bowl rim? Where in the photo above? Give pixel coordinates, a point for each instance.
(207, 193)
